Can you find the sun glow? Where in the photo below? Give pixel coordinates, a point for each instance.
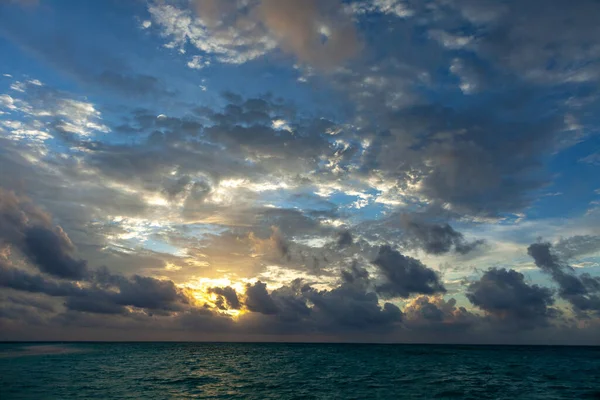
(199, 289)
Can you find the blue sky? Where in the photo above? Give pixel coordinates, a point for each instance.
(374, 158)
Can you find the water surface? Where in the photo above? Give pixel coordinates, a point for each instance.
(296, 371)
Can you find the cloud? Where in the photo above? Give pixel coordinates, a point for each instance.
(318, 33)
(259, 300)
(436, 238)
(345, 307)
(426, 313)
(582, 291)
(350, 307)
(29, 229)
(464, 161)
(505, 295)
(404, 276)
(94, 305)
(274, 247)
(103, 293)
(355, 275)
(51, 250)
(43, 113)
(344, 239)
(18, 279)
(149, 293)
(577, 246)
(456, 124)
(229, 294)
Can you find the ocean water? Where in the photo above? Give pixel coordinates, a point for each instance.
(296, 371)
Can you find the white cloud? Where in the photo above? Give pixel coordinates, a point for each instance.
(234, 45)
(7, 101)
(198, 62)
(393, 7)
(238, 31)
(38, 104)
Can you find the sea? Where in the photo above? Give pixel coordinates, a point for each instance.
(296, 371)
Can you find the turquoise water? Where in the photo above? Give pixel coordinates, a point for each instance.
(296, 371)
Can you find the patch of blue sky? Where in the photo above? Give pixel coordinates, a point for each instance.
(199, 231)
(160, 246)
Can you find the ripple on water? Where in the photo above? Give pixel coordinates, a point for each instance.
(262, 371)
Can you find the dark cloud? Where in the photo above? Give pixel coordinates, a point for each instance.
(469, 162)
(427, 313)
(582, 291)
(51, 251)
(175, 187)
(29, 229)
(404, 276)
(18, 279)
(104, 293)
(259, 300)
(344, 239)
(150, 293)
(291, 304)
(505, 295)
(229, 294)
(355, 274)
(437, 238)
(29, 301)
(349, 307)
(94, 305)
(507, 65)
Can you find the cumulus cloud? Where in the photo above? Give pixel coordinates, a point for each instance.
(404, 276)
(505, 295)
(352, 308)
(346, 307)
(103, 293)
(29, 229)
(582, 291)
(426, 313)
(259, 300)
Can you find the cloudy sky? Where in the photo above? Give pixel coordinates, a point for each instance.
(300, 170)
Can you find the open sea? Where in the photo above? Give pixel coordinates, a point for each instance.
(296, 371)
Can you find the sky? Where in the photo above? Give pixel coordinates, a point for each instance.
(286, 170)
